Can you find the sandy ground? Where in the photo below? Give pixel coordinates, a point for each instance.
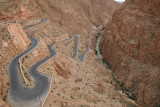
(88, 83)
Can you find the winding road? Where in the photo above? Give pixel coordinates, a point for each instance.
(42, 20)
(75, 46)
(76, 37)
(19, 94)
(22, 96)
(87, 47)
(84, 53)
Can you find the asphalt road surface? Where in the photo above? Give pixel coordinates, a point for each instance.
(84, 53)
(75, 46)
(18, 91)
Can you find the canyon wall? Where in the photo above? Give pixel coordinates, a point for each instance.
(70, 15)
(131, 44)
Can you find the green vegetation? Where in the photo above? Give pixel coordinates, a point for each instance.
(97, 37)
(118, 85)
(26, 56)
(58, 94)
(78, 88)
(108, 65)
(116, 89)
(4, 98)
(100, 33)
(103, 28)
(72, 97)
(22, 60)
(100, 51)
(26, 75)
(126, 91)
(132, 96)
(3, 30)
(22, 68)
(156, 105)
(84, 106)
(30, 44)
(96, 52)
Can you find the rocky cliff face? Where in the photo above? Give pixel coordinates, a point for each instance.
(131, 44)
(19, 38)
(71, 15)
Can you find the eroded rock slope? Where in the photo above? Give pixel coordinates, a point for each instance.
(131, 44)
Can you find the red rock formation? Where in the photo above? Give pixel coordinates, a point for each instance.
(131, 44)
(61, 69)
(104, 8)
(74, 15)
(4, 17)
(19, 38)
(20, 13)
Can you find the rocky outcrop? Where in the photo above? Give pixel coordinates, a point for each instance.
(19, 38)
(3, 104)
(61, 68)
(82, 13)
(3, 16)
(104, 8)
(131, 44)
(20, 13)
(76, 17)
